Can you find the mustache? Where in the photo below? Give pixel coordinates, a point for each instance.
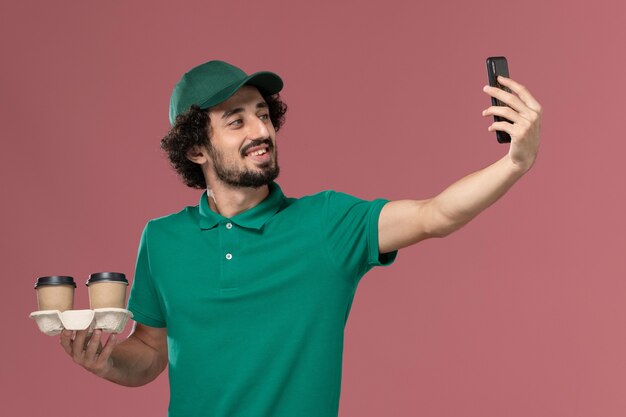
(257, 142)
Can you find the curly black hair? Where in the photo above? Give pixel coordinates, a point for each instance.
(191, 129)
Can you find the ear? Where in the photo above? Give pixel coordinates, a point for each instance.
(197, 154)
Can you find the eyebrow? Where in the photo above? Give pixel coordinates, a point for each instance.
(227, 114)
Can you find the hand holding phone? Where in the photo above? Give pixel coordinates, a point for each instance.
(497, 65)
(517, 115)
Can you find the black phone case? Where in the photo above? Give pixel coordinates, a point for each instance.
(497, 65)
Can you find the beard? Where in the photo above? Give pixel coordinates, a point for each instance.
(233, 176)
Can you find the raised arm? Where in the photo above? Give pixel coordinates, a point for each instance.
(133, 362)
(406, 222)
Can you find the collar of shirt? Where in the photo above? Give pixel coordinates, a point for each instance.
(253, 218)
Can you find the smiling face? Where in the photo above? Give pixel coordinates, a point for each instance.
(242, 145)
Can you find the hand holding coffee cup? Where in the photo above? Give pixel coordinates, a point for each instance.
(106, 290)
(107, 299)
(90, 351)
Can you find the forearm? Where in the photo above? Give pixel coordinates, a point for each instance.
(405, 222)
(134, 363)
(466, 198)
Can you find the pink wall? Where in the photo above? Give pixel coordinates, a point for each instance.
(521, 313)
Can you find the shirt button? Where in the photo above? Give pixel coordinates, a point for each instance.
(229, 256)
(229, 225)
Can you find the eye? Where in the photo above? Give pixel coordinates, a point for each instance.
(236, 123)
(264, 117)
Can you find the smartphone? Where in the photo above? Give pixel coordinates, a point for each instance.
(497, 65)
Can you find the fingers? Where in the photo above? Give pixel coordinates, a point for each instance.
(91, 349)
(514, 130)
(503, 126)
(521, 91)
(103, 358)
(524, 114)
(509, 99)
(503, 111)
(87, 350)
(78, 345)
(66, 341)
(522, 108)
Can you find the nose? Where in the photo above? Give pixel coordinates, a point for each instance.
(259, 129)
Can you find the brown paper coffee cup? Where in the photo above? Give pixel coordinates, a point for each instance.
(107, 290)
(55, 293)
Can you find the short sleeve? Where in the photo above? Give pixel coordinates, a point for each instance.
(350, 227)
(144, 301)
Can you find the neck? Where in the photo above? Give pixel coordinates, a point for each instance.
(230, 201)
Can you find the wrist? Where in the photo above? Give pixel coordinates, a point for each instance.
(519, 168)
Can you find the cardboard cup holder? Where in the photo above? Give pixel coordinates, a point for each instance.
(53, 322)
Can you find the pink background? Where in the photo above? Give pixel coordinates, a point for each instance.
(521, 313)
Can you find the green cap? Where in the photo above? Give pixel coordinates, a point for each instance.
(214, 82)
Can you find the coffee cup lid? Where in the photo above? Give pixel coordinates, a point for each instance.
(107, 276)
(55, 280)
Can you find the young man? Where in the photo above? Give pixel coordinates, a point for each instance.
(246, 295)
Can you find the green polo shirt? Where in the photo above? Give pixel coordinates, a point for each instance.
(255, 305)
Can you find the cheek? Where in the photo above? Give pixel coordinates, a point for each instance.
(227, 144)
